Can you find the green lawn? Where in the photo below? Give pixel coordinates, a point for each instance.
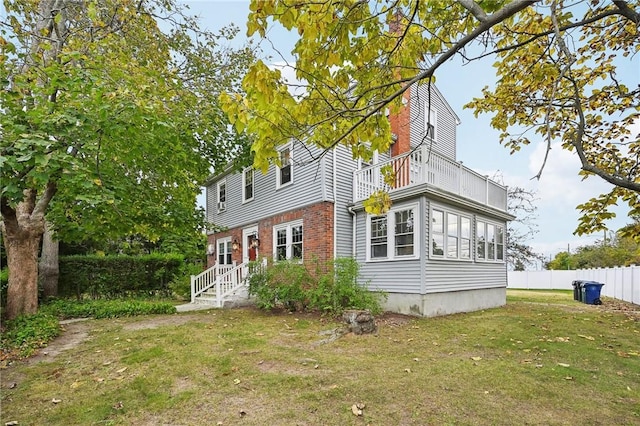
(542, 359)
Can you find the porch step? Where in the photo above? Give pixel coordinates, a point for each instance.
(240, 297)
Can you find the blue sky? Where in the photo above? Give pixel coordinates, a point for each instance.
(559, 190)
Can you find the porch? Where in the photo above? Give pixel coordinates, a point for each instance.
(424, 166)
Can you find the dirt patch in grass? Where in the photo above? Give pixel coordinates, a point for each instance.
(73, 333)
(161, 321)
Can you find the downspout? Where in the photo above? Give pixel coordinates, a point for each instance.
(353, 229)
(335, 205)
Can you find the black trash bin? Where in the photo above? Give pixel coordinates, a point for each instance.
(577, 290)
(592, 292)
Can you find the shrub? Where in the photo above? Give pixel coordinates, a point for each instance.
(23, 335)
(4, 283)
(339, 290)
(105, 308)
(180, 285)
(283, 285)
(290, 286)
(118, 276)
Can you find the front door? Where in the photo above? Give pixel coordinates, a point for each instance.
(249, 248)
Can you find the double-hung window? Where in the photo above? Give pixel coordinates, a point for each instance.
(450, 235)
(224, 251)
(284, 172)
(393, 236)
(288, 241)
(247, 184)
(222, 195)
(430, 120)
(489, 242)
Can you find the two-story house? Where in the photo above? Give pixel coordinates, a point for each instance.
(440, 249)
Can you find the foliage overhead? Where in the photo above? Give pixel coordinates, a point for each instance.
(557, 64)
(111, 106)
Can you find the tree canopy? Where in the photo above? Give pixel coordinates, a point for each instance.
(110, 120)
(616, 249)
(557, 64)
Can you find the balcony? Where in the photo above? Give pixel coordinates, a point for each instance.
(424, 166)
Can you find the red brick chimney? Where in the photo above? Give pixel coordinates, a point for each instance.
(400, 122)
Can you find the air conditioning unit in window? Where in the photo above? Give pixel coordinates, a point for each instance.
(222, 205)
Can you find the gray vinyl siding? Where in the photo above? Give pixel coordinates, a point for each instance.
(311, 184)
(455, 275)
(429, 275)
(446, 120)
(346, 165)
(395, 276)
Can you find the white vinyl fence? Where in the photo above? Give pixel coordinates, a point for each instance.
(620, 282)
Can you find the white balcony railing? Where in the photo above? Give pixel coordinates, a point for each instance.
(424, 166)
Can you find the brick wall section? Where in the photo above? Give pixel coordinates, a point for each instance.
(401, 125)
(317, 233)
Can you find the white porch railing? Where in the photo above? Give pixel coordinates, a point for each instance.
(224, 280)
(426, 166)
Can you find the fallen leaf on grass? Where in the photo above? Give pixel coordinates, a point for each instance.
(356, 409)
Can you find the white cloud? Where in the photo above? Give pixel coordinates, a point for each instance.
(560, 183)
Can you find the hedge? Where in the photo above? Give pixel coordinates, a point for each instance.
(118, 276)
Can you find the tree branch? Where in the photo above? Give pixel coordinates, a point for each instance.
(474, 8)
(494, 19)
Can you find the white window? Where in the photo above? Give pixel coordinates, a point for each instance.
(393, 236)
(222, 196)
(288, 241)
(247, 185)
(450, 235)
(224, 251)
(430, 120)
(284, 172)
(489, 242)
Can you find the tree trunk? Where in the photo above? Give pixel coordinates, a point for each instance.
(48, 268)
(22, 229)
(22, 259)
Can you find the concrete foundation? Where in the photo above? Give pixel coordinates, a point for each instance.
(436, 304)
